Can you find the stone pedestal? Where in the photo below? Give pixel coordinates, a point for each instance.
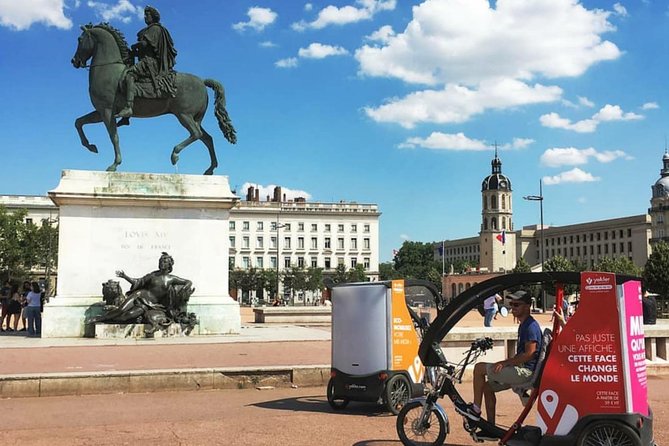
(123, 221)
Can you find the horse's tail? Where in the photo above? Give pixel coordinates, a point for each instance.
(221, 113)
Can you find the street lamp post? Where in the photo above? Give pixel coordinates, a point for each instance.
(540, 199)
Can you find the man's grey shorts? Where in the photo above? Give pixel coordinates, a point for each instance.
(510, 376)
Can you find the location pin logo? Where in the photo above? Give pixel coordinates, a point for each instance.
(549, 399)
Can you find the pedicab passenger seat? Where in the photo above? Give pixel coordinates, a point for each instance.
(523, 389)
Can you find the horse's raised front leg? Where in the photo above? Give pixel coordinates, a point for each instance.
(110, 123)
(90, 118)
(195, 133)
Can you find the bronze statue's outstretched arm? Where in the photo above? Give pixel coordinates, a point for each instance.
(123, 275)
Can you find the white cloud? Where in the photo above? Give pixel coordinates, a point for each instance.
(458, 141)
(447, 40)
(575, 175)
(308, 7)
(456, 103)
(620, 10)
(650, 106)
(382, 34)
(445, 141)
(570, 156)
(123, 11)
(607, 113)
(405, 237)
(267, 44)
(333, 15)
(259, 18)
(289, 62)
(268, 190)
(20, 15)
(320, 51)
(585, 101)
(463, 46)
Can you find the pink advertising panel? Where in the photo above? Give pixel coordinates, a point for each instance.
(633, 344)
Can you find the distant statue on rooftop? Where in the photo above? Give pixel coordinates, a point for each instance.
(151, 88)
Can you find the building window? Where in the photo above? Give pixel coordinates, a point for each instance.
(245, 242)
(578, 251)
(367, 263)
(245, 226)
(354, 243)
(629, 247)
(231, 262)
(621, 233)
(622, 247)
(314, 227)
(606, 248)
(592, 250)
(340, 228)
(259, 242)
(503, 201)
(286, 242)
(259, 262)
(366, 228)
(272, 226)
(272, 262)
(327, 263)
(354, 228)
(314, 243)
(493, 202)
(629, 234)
(327, 243)
(613, 247)
(231, 225)
(272, 242)
(246, 262)
(354, 262)
(300, 243)
(578, 239)
(259, 226)
(592, 237)
(340, 261)
(300, 227)
(232, 241)
(300, 262)
(327, 227)
(340, 243)
(365, 243)
(314, 262)
(286, 227)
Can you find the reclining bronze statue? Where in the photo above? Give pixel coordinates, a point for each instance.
(158, 299)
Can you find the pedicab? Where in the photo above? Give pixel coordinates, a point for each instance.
(589, 383)
(375, 339)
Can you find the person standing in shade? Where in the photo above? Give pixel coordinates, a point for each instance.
(4, 304)
(490, 307)
(33, 314)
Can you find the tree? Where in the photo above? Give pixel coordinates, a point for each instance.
(340, 275)
(12, 243)
(298, 279)
(315, 280)
(387, 271)
(522, 266)
(461, 265)
(618, 265)
(559, 263)
(656, 270)
(356, 274)
(415, 260)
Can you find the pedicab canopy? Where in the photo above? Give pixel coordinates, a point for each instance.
(596, 363)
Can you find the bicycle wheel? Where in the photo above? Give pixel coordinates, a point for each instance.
(606, 433)
(397, 393)
(336, 402)
(414, 433)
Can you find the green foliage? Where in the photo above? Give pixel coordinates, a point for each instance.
(656, 271)
(415, 260)
(356, 274)
(460, 266)
(387, 271)
(522, 266)
(298, 279)
(618, 265)
(559, 263)
(315, 279)
(340, 275)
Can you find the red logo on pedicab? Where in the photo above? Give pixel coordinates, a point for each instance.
(598, 283)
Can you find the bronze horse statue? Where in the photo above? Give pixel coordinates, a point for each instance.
(110, 57)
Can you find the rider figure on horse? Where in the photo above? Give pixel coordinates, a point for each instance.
(157, 57)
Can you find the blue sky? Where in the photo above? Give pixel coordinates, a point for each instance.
(391, 102)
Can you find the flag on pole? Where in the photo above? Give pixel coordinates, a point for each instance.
(502, 237)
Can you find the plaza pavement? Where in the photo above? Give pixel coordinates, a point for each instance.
(277, 355)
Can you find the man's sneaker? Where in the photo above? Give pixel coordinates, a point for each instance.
(471, 411)
(483, 436)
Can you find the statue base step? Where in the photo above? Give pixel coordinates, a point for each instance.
(133, 331)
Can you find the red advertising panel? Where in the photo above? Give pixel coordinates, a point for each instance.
(584, 372)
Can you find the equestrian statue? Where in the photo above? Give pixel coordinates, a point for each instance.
(121, 88)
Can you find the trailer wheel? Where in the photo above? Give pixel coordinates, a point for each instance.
(336, 402)
(604, 433)
(397, 393)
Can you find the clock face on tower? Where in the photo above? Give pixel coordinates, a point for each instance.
(502, 183)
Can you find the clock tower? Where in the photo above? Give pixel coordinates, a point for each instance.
(496, 238)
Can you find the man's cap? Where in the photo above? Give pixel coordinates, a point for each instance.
(520, 296)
